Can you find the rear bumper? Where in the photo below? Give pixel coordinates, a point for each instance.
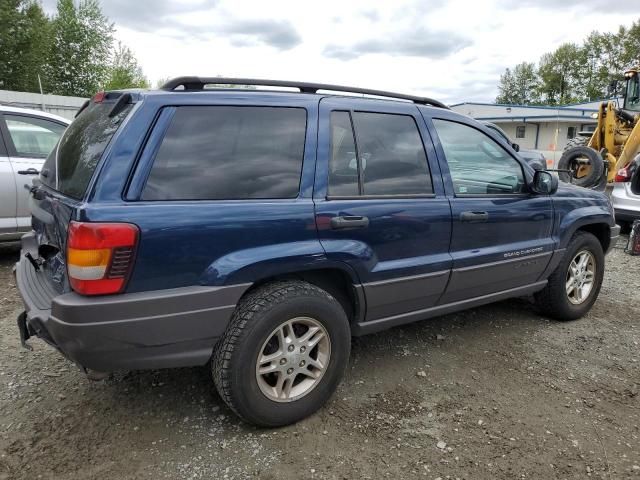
(626, 215)
(166, 328)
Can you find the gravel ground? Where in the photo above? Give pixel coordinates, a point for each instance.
(492, 393)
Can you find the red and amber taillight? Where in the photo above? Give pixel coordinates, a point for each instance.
(100, 256)
(624, 174)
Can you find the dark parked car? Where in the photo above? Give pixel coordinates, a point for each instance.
(258, 231)
(533, 157)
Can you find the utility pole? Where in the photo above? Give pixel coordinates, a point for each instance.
(41, 93)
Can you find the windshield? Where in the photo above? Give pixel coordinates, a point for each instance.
(632, 96)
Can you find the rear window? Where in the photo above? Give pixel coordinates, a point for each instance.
(70, 166)
(227, 153)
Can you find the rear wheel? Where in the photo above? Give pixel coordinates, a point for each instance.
(283, 354)
(573, 287)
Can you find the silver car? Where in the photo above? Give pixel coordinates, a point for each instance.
(626, 205)
(26, 138)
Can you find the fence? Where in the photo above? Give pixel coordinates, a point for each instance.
(57, 104)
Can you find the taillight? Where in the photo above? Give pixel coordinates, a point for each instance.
(624, 174)
(100, 256)
(99, 97)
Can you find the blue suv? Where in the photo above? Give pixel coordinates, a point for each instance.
(257, 231)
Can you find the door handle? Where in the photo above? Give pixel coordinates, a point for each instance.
(474, 217)
(349, 221)
(28, 171)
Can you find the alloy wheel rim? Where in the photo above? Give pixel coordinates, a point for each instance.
(293, 359)
(580, 277)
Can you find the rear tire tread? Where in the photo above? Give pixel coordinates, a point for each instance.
(261, 299)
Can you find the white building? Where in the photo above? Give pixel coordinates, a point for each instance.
(56, 104)
(536, 127)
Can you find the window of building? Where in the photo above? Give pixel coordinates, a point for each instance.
(571, 132)
(389, 159)
(520, 131)
(225, 152)
(478, 164)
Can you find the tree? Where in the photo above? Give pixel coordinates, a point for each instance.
(558, 73)
(24, 44)
(520, 86)
(125, 71)
(82, 38)
(572, 72)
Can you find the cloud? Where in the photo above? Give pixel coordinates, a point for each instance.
(279, 34)
(586, 5)
(143, 15)
(371, 15)
(171, 18)
(147, 17)
(418, 43)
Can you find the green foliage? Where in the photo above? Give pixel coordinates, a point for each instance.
(125, 71)
(73, 51)
(520, 86)
(81, 41)
(572, 72)
(24, 44)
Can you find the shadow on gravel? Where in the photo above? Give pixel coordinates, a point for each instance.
(177, 393)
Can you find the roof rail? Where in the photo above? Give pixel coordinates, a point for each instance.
(198, 83)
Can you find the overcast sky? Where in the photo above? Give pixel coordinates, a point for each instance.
(452, 50)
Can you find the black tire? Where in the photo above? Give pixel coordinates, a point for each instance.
(553, 301)
(568, 162)
(576, 142)
(255, 318)
(625, 227)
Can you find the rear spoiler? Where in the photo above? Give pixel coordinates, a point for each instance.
(123, 99)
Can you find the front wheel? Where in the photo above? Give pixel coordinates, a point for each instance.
(283, 354)
(573, 287)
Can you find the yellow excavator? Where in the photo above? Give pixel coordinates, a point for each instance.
(607, 155)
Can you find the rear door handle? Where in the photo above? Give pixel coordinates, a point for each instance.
(474, 217)
(349, 221)
(28, 171)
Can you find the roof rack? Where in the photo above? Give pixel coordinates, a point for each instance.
(198, 83)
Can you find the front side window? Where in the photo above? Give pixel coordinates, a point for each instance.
(478, 165)
(33, 137)
(632, 95)
(389, 159)
(228, 153)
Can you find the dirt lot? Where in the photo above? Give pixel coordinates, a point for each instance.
(497, 392)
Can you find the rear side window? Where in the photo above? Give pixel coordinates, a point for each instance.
(343, 166)
(33, 137)
(391, 153)
(70, 166)
(227, 153)
(386, 156)
(389, 159)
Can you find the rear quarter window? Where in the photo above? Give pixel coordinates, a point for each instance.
(226, 153)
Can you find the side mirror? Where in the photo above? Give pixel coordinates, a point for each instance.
(544, 183)
(516, 147)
